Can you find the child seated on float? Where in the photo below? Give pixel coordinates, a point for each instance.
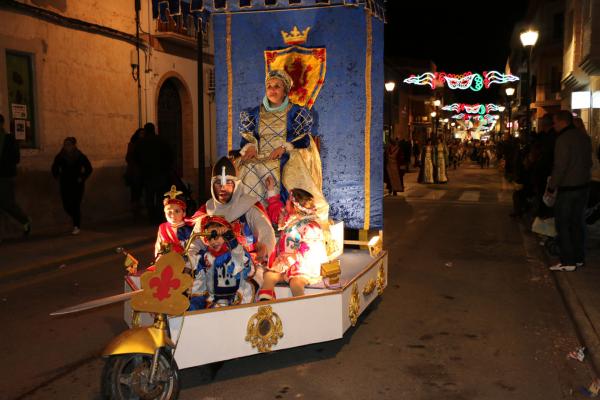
(226, 265)
(173, 235)
(300, 249)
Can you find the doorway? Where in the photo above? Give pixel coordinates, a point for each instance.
(170, 120)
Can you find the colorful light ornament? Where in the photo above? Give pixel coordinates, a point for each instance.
(497, 77)
(475, 109)
(428, 78)
(487, 117)
(472, 108)
(456, 107)
(468, 80)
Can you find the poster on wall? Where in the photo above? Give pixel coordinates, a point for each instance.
(19, 111)
(20, 129)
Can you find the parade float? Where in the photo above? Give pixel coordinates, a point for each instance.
(333, 50)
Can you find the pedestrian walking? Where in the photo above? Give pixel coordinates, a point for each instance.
(570, 180)
(71, 167)
(9, 158)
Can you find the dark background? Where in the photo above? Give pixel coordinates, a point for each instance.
(457, 36)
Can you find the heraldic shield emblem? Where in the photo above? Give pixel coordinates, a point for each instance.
(306, 66)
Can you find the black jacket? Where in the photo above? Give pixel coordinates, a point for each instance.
(572, 159)
(9, 156)
(74, 169)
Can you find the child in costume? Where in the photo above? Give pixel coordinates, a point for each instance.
(173, 236)
(226, 265)
(300, 250)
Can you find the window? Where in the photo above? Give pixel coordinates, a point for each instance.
(245, 3)
(555, 75)
(291, 2)
(558, 26)
(270, 2)
(220, 4)
(21, 112)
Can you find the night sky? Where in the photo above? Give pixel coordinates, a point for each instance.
(457, 36)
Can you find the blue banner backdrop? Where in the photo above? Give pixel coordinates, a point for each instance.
(352, 160)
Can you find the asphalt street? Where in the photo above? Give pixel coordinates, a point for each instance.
(470, 312)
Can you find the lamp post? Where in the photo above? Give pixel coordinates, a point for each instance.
(528, 39)
(434, 122)
(510, 91)
(436, 103)
(389, 87)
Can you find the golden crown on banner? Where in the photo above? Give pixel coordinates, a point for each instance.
(295, 36)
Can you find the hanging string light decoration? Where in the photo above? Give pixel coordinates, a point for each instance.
(468, 80)
(487, 117)
(472, 108)
(456, 107)
(428, 78)
(497, 77)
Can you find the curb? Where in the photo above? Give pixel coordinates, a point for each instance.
(583, 324)
(25, 271)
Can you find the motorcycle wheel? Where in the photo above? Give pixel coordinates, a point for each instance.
(126, 376)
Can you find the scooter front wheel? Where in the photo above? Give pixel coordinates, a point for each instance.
(127, 376)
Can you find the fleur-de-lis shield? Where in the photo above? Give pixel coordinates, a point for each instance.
(163, 288)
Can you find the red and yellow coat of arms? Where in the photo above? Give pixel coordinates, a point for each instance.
(306, 66)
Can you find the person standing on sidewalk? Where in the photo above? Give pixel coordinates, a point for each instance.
(9, 158)
(71, 167)
(570, 180)
(155, 158)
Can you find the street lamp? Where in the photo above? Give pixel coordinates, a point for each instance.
(528, 39)
(434, 122)
(510, 91)
(389, 87)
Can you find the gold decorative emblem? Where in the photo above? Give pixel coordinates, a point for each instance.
(369, 287)
(354, 307)
(380, 279)
(306, 66)
(295, 36)
(163, 288)
(264, 329)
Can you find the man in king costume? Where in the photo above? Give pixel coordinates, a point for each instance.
(248, 218)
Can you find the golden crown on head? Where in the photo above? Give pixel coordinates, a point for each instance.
(295, 36)
(171, 197)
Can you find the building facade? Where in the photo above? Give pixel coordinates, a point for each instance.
(546, 62)
(72, 69)
(581, 65)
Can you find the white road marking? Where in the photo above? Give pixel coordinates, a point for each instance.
(434, 195)
(469, 195)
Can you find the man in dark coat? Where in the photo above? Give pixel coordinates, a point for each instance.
(9, 158)
(155, 159)
(571, 176)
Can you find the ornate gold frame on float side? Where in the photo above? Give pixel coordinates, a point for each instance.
(264, 329)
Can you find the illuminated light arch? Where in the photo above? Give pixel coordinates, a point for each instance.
(468, 80)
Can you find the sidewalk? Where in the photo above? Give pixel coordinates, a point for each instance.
(37, 254)
(581, 291)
